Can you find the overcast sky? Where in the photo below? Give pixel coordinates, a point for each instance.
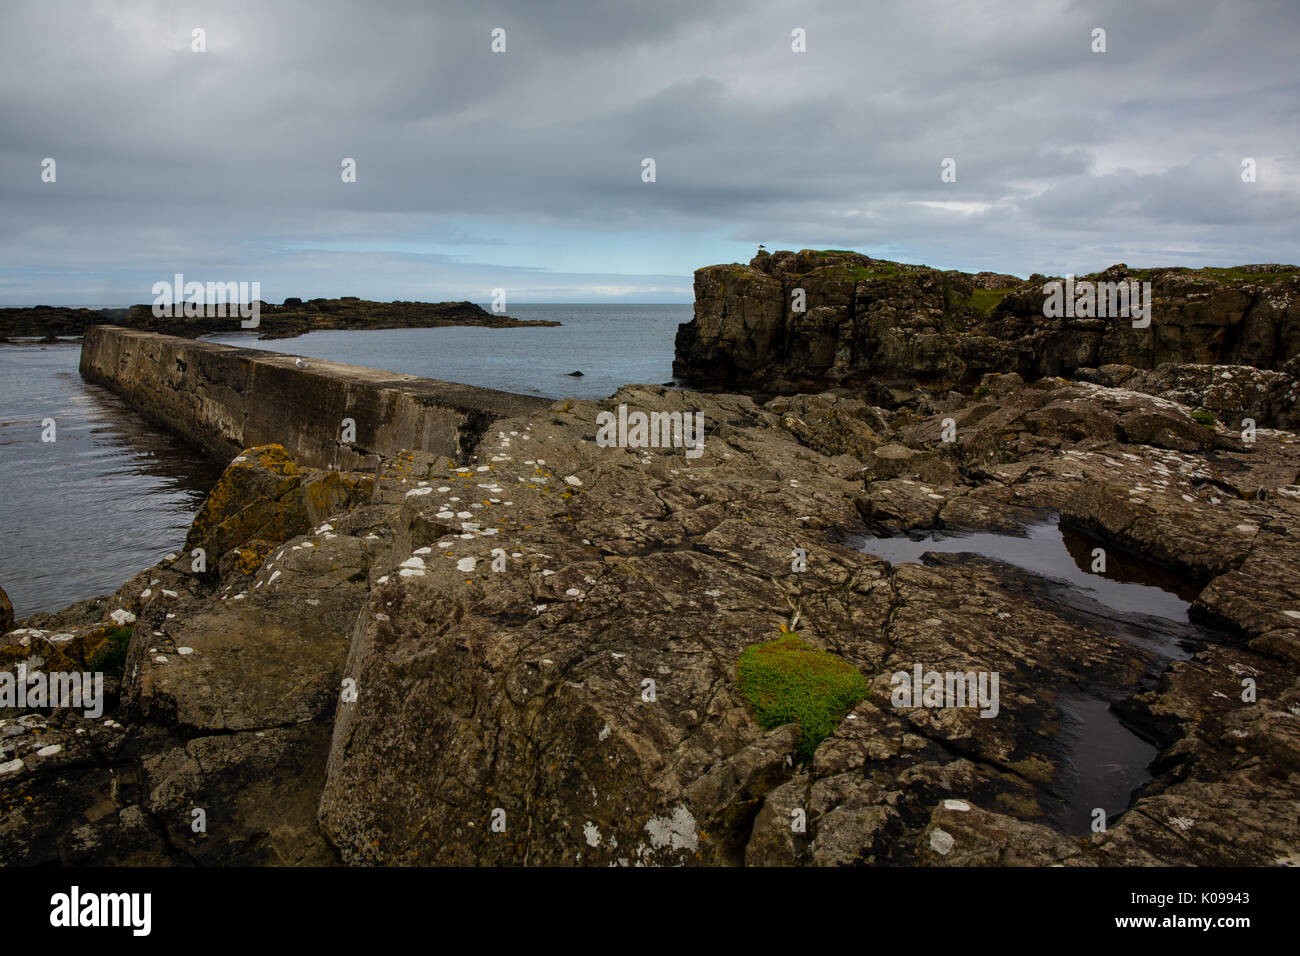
(523, 169)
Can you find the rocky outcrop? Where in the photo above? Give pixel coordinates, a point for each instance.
(530, 655)
(1224, 393)
(293, 317)
(885, 326)
(327, 415)
(213, 750)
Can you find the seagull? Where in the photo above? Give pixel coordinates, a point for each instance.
(300, 363)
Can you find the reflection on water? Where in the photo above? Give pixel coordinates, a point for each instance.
(1103, 762)
(1127, 585)
(110, 496)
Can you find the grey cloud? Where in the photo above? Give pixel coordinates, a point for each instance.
(231, 159)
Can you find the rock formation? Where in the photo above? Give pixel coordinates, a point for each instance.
(886, 327)
(529, 655)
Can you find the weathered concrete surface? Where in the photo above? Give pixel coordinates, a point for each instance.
(225, 398)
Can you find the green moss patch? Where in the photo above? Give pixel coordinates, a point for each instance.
(111, 656)
(1204, 417)
(985, 300)
(787, 681)
(866, 273)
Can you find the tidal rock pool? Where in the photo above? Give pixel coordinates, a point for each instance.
(1103, 760)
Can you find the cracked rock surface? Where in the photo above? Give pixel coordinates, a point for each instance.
(529, 657)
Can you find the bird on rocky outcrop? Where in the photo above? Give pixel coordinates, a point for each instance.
(300, 363)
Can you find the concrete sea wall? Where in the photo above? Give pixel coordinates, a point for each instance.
(225, 399)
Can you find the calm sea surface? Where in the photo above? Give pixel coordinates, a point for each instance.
(113, 494)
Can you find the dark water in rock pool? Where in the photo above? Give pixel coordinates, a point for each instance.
(1103, 761)
(113, 494)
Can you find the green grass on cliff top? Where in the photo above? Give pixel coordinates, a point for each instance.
(787, 681)
(984, 300)
(1230, 275)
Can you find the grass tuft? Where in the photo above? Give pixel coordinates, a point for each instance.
(788, 681)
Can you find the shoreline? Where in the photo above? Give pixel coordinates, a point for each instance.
(371, 646)
(314, 574)
(290, 319)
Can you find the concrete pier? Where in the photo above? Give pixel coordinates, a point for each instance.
(226, 398)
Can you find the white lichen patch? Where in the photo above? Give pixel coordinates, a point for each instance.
(677, 832)
(941, 841)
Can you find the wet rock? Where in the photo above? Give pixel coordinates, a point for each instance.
(253, 794)
(73, 799)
